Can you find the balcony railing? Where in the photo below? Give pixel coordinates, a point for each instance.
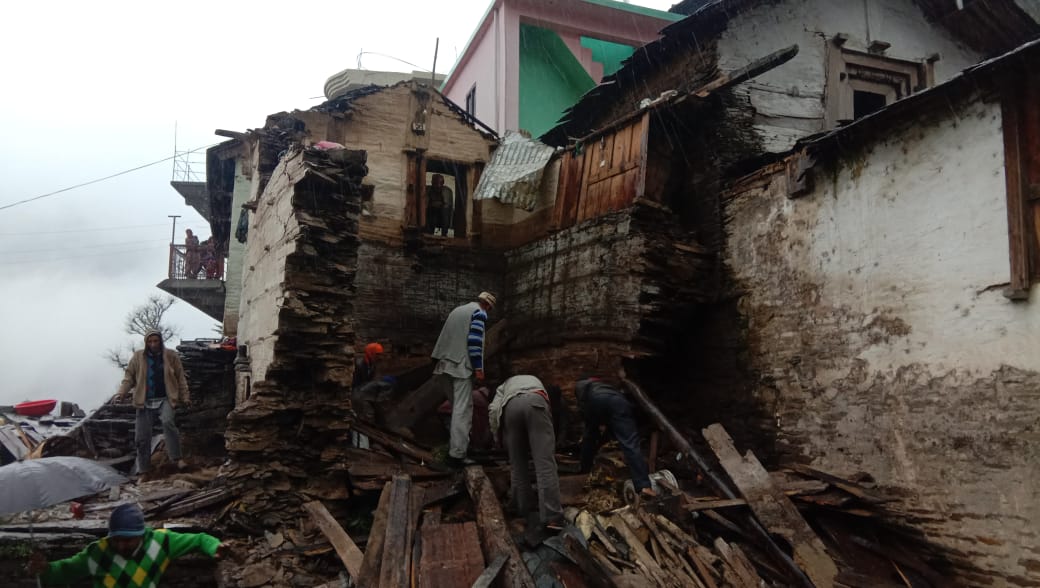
(199, 264)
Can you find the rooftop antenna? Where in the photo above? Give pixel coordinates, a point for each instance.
(183, 162)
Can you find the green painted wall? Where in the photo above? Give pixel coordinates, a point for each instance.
(551, 79)
(609, 54)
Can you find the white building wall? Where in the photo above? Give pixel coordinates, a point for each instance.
(789, 100)
(875, 311)
(272, 238)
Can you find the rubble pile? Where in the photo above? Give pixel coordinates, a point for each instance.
(209, 368)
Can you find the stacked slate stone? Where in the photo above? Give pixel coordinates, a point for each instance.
(211, 386)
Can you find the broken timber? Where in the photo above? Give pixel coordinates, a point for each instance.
(773, 508)
(494, 534)
(346, 549)
(369, 573)
(665, 425)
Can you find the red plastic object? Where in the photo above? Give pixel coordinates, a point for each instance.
(35, 407)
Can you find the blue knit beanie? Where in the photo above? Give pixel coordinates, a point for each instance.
(127, 520)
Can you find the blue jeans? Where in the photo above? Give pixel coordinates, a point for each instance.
(615, 411)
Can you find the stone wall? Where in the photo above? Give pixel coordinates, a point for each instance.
(874, 322)
(297, 324)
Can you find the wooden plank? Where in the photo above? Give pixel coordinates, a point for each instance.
(637, 551)
(676, 564)
(1011, 108)
(596, 575)
(394, 569)
(450, 556)
(348, 552)
(494, 533)
(747, 72)
(852, 488)
(411, 200)
(773, 508)
(644, 147)
(743, 573)
(706, 572)
(369, 574)
(622, 146)
(394, 442)
(684, 446)
(488, 576)
(696, 505)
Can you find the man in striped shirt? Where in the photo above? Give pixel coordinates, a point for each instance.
(459, 353)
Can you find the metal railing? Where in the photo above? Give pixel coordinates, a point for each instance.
(199, 264)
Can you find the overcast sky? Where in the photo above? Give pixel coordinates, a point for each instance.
(96, 88)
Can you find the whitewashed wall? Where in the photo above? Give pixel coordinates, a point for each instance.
(789, 100)
(272, 233)
(876, 317)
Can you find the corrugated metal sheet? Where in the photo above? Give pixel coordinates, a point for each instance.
(515, 172)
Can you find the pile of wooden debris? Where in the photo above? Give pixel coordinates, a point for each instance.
(402, 520)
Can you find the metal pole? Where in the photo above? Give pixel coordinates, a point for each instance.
(173, 231)
(433, 73)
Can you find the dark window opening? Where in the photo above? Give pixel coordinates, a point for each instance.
(471, 101)
(445, 200)
(864, 103)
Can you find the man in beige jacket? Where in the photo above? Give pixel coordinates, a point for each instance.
(157, 378)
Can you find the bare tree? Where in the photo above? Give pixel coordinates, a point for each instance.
(141, 320)
(148, 317)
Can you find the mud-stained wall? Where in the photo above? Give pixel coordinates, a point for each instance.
(617, 286)
(880, 335)
(403, 296)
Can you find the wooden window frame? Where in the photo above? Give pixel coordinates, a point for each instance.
(1021, 127)
(849, 71)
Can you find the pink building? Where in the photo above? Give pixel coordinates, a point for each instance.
(529, 60)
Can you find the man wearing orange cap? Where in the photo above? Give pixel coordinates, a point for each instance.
(365, 366)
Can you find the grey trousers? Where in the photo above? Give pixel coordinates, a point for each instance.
(528, 433)
(143, 435)
(461, 416)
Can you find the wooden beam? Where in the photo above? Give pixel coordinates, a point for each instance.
(491, 572)
(369, 575)
(348, 552)
(773, 508)
(393, 442)
(755, 68)
(1011, 117)
(494, 534)
(595, 574)
(684, 446)
(397, 551)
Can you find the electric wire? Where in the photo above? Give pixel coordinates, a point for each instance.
(109, 177)
(90, 230)
(78, 247)
(102, 254)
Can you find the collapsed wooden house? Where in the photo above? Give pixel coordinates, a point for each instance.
(842, 298)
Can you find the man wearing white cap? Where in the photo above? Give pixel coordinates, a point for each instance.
(460, 355)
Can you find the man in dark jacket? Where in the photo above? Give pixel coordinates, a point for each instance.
(603, 404)
(156, 376)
